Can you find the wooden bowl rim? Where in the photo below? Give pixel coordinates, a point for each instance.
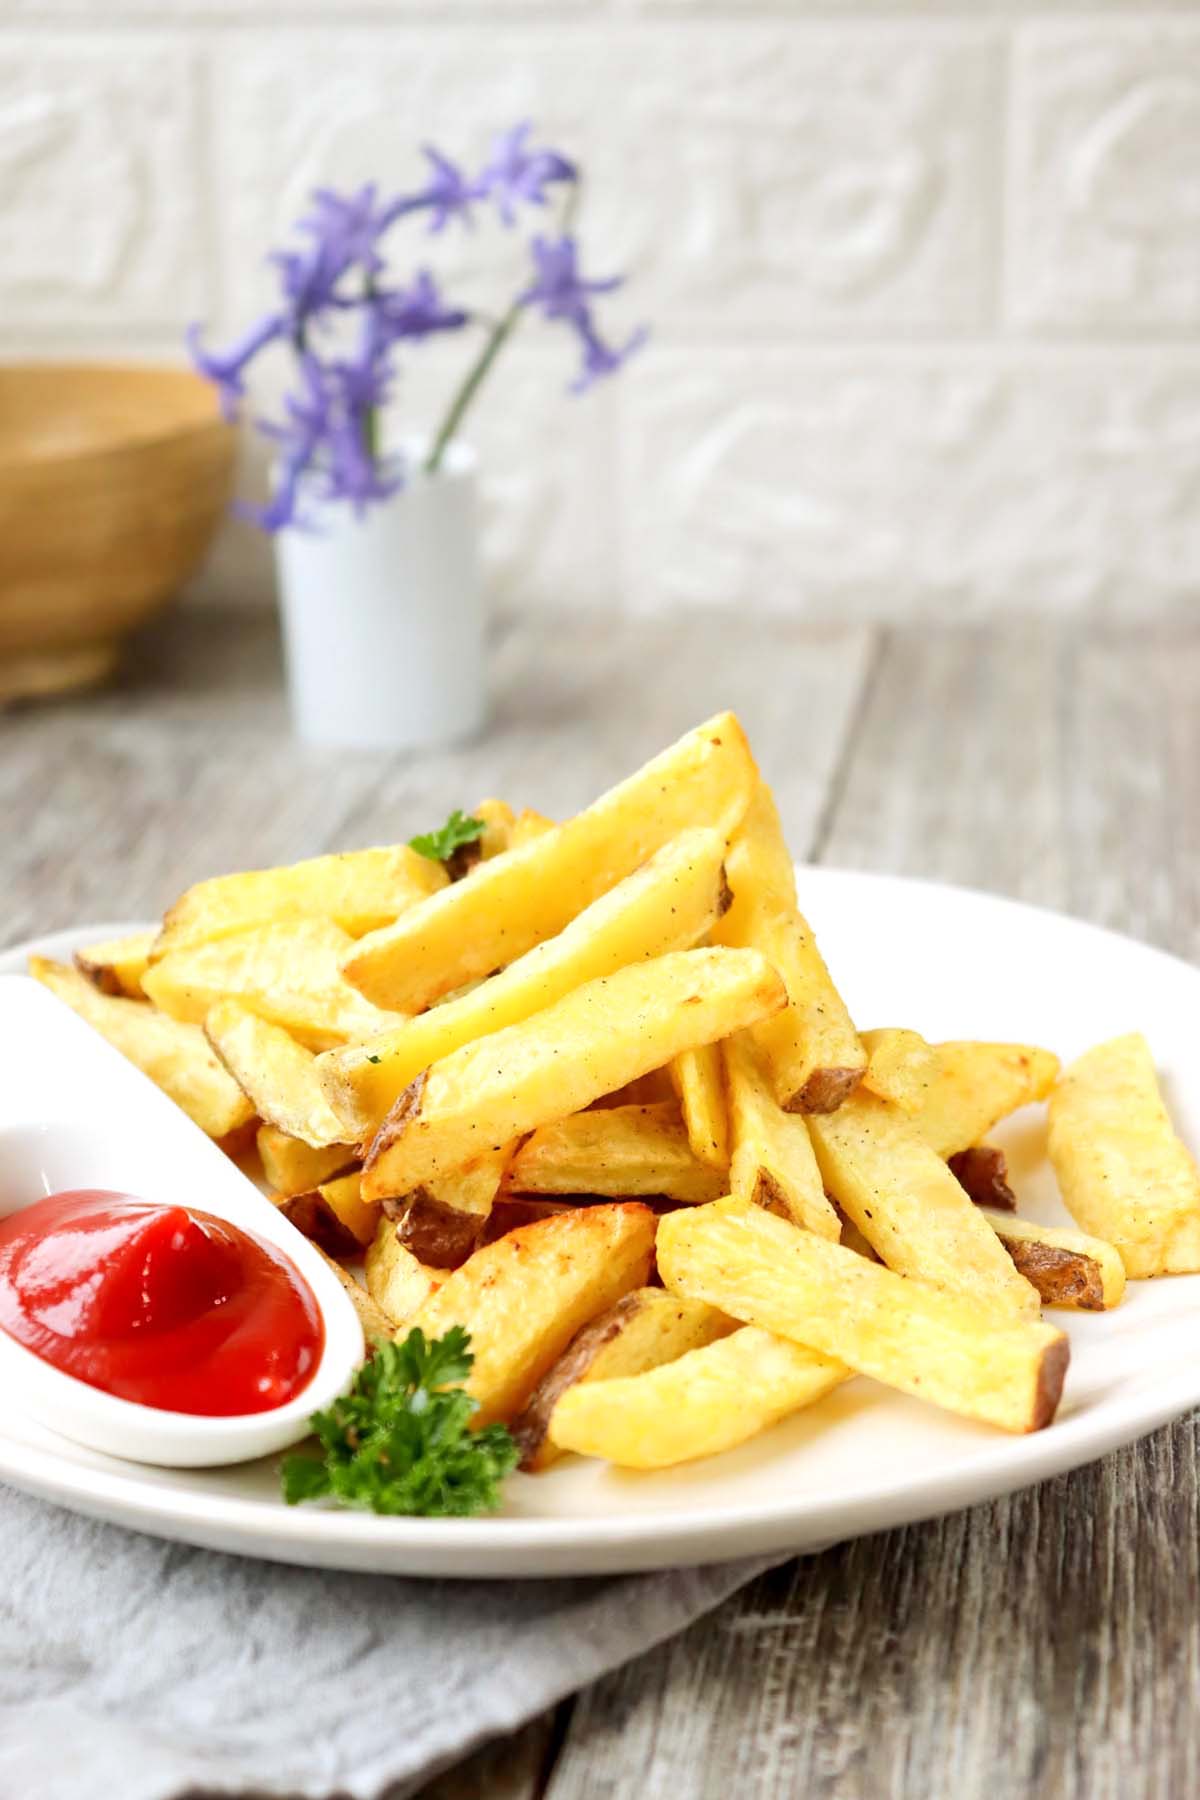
(136, 436)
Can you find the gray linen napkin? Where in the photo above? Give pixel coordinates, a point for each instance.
(134, 1667)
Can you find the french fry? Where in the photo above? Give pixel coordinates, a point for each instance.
(277, 1075)
(442, 1221)
(654, 1089)
(287, 972)
(697, 1079)
(666, 905)
(908, 1205)
(622, 1152)
(359, 890)
(773, 1164)
(524, 1297)
(291, 1167)
(705, 1401)
(176, 1057)
(519, 900)
(397, 1283)
(527, 826)
(982, 1172)
(812, 1051)
(605, 1033)
(645, 1328)
(936, 1345)
(1125, 1174)
(310, 1215)
(1067, 1268)
(901, 1066)
(377, 1327)
(117, 965)
(977, 1085)
(343, 1197)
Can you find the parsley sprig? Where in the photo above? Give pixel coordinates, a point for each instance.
(440, 845)
(400, 1440)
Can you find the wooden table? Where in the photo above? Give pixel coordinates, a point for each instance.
(1044, 1645)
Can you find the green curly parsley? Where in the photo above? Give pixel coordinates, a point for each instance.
(400, 1440)
(439, 846)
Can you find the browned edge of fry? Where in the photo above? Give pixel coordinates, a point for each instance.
(825, 1090)
(983, 1172)
(768, 1193)
(724, 894)
(437, 1234)
(532, 1423)
(311, 1215)
(100, 976)
(402, 1110)
(1052, 1372)
(1062, 1277)
(460, 862)
(240, 1141)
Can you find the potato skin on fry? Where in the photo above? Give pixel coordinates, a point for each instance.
(602, 1035)
(1067, 1267)
(524, 1297)
(982, 1171)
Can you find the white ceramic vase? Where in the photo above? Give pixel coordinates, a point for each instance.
(383, 616)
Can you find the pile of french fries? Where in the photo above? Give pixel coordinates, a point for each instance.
(590, 1092)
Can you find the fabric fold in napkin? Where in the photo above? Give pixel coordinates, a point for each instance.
(135, 1667)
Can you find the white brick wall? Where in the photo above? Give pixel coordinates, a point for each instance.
(924, 281)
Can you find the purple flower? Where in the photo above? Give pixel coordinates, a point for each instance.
(415, 312)
(601, 359)
(517, 175)
(226, 367)
(448, 195)
(298, 439)
(344, 231)
(560, 290)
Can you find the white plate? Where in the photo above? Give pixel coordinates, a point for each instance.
(951, 963)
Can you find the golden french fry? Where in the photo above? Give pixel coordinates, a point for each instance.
(520, 899)
(288, 972)
(619, 1151)
(901, 1066)
(359, 890)
(291, 1168)
(527, 826)
(705, 1401)
(524, 1297)
(645, 1328)
(277, 1075)
(697, 1079)
(666, 905)
(1067, 1268)
(908, 1205)
(605, 1033)
(1125, 1174)
(117, 965)
(396, 1281)
(343, 1197)
(176, 1057)
(936, 1345)
(442, 1221)
(811, 1049)
(773, 1164)
(977, 1085)
(654, 1089)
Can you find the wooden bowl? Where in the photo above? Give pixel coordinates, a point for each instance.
(113, 479)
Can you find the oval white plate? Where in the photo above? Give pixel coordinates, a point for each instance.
(951, 963)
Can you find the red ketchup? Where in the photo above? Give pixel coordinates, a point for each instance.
(172, 1308)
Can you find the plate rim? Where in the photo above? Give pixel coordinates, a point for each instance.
(503, 1547)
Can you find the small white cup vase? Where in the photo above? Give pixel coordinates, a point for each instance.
(383, 616)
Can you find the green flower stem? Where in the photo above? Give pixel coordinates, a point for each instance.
(498, 336)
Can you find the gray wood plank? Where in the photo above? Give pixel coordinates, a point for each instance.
(1047, 1644)
(110, 805)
